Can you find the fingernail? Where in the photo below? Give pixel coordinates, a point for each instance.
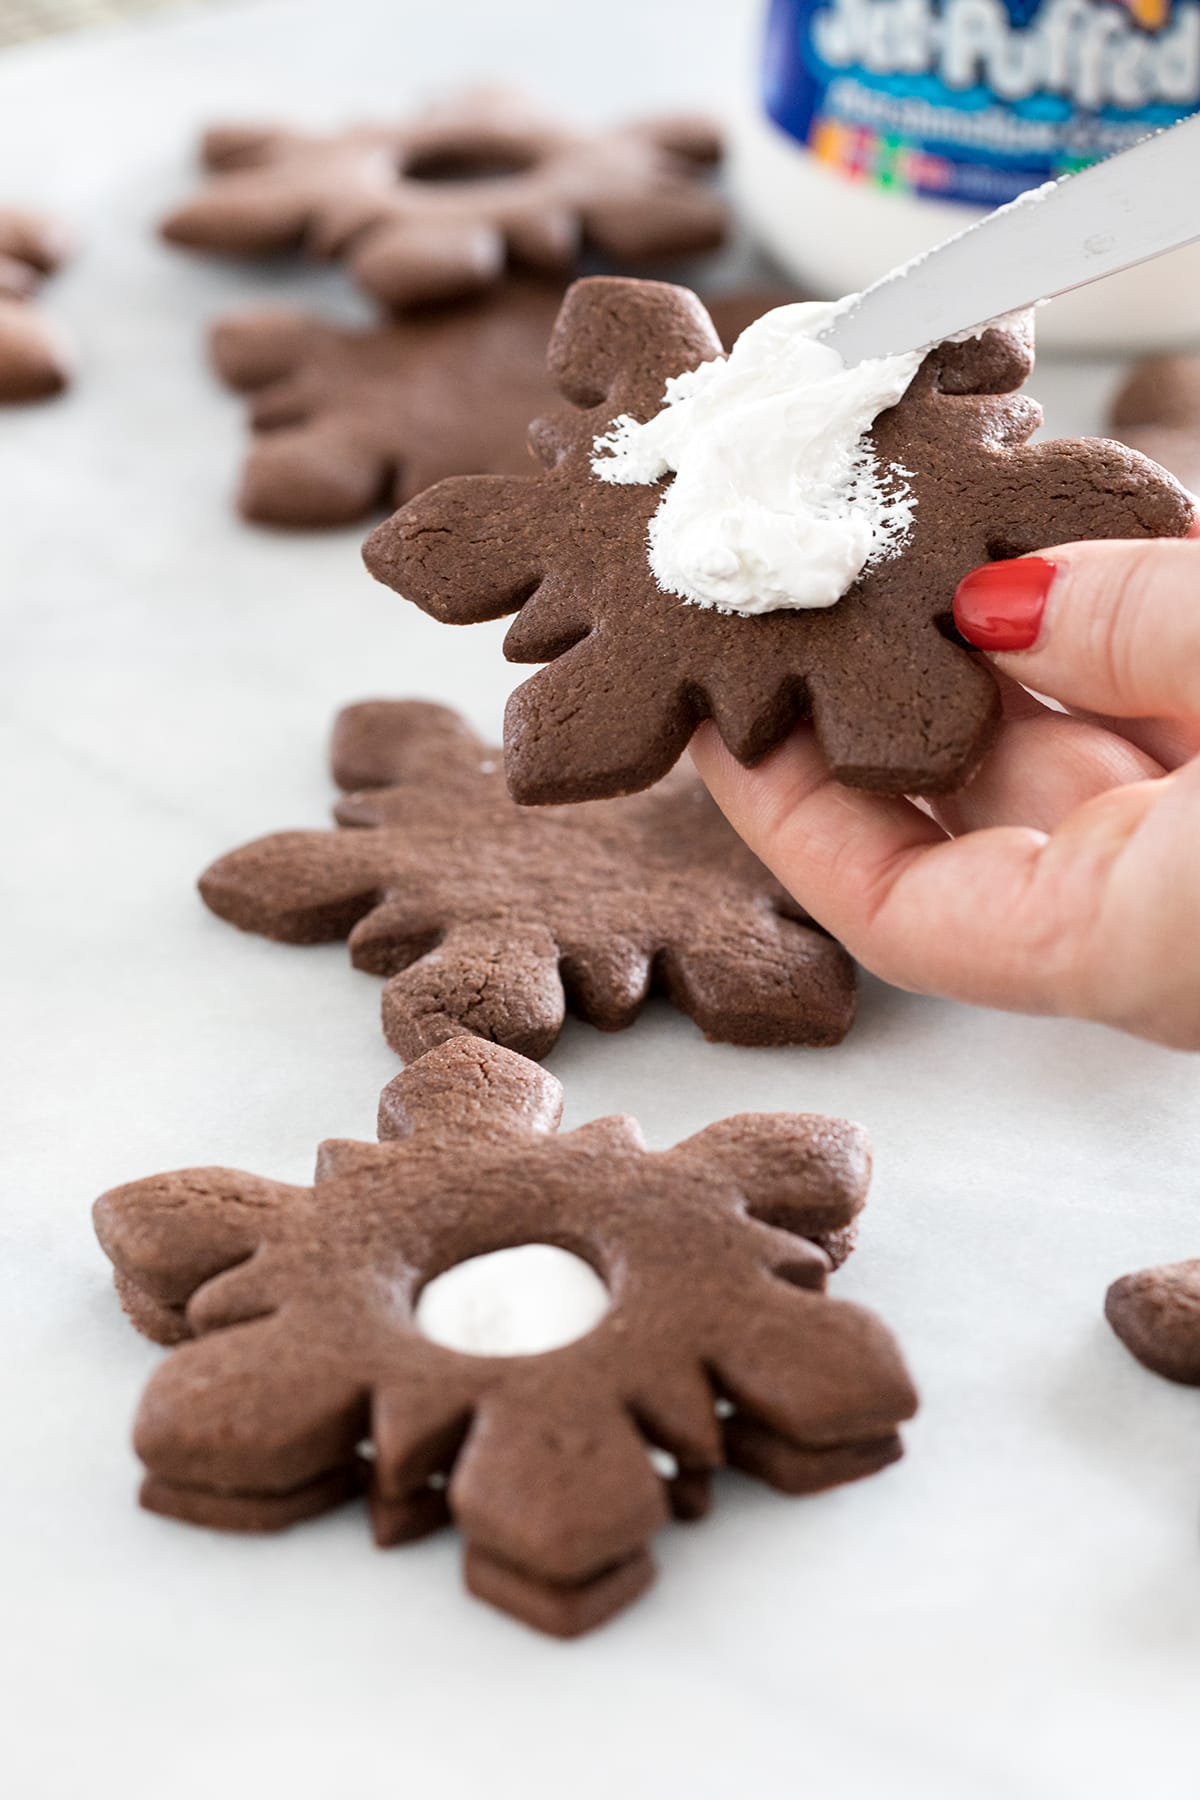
(1000, 606)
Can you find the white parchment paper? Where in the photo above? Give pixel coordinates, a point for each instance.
(1013, 1611)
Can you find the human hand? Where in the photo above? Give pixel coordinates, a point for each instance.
(1066, 877)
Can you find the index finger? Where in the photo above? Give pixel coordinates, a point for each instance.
(1111, 626)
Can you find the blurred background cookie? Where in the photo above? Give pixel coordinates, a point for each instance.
(441, 205)
(1157, 410)
(34, 358)
(1156, 1315)
(346, 421)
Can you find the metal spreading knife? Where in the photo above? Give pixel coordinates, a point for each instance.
(1130, 207)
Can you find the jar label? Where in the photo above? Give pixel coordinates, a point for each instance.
(977, 100)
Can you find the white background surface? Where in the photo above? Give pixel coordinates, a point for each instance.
(1013, 1611)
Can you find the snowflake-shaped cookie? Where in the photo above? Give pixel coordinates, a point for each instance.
(719, 1345)
(439, 206)
(492, 919)
(1157, 410)
(34, 362)
(347, 420)
(1156, 1315)
(898, 706)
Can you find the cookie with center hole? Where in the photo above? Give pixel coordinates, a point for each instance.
(300, 1371)
(441, 205)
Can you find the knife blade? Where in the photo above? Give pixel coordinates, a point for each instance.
(1132, 206)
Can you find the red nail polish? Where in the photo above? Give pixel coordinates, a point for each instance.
(1000, 606)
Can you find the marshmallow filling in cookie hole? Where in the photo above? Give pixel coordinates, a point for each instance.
(515, 1302)
(447, 168)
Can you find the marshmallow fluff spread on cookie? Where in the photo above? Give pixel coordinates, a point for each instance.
(778, 498)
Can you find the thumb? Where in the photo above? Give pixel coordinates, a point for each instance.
(1112, 627)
